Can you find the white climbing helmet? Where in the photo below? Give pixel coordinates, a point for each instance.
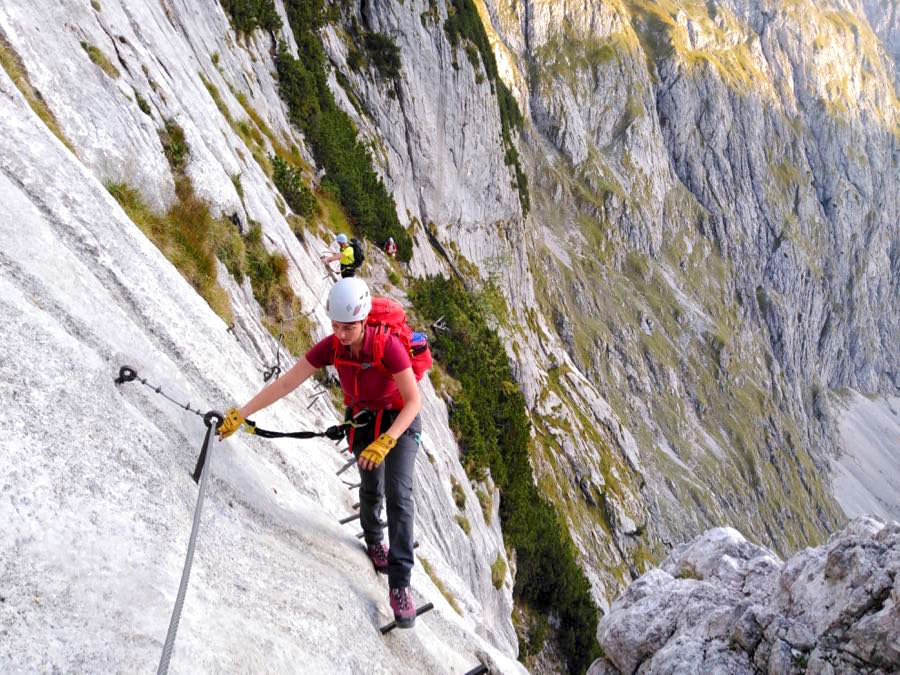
(349, 300)
(341, 238)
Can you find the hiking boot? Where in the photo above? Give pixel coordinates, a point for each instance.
(404, 607)
(378, 554)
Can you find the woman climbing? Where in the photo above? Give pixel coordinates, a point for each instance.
(386, 447)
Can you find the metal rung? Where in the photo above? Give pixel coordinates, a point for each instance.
(346, 466)
(344, 521)
(393, 624)
(383, 524)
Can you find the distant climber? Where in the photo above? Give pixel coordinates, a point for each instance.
(351, 255)
(390, 247)
(386, 447)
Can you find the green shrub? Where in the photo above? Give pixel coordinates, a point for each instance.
(231, 251)
(384, 54)
(12, 64)
(490, 420)
(217, 98)
(498, 571)
(438, 582)
(459, 495)
(298, 226)
(289, 183)
(248, 15)
(192, 240)
(174, 145)
(472, 54)
(537, 632)
(463, 522)
(355, 59)
(512, 159)
(295, 334)
(142, 104)
(238, 186)
(487, 504)
(186, 235)
(268, 275)
(99, 58)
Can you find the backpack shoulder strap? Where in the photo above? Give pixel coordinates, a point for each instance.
(379, 344)
(338, 360)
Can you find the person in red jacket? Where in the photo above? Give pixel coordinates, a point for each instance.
(385, 448)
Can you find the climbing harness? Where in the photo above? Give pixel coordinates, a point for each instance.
(212, 420)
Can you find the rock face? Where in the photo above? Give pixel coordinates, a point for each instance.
(864, 476)
(712, 243)
(885, 20)
(716, 254)
(722, 604)
(96, 515)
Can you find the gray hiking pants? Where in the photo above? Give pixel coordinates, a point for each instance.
(392, 480)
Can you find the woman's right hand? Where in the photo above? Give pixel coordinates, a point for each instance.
(230, 424)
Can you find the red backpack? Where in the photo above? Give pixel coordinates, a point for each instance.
(389, 318)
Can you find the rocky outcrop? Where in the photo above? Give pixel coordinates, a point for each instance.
(722, 604)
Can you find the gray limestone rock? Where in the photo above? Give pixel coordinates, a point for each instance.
(810, 622)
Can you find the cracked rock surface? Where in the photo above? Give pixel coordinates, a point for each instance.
(723, 605)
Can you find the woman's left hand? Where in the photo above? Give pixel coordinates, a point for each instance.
(376, 451)
(230, 424)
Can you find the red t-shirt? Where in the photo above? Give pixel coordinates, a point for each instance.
(372, 389)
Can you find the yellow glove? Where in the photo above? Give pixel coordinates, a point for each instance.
(231, 423)
(375, 453)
